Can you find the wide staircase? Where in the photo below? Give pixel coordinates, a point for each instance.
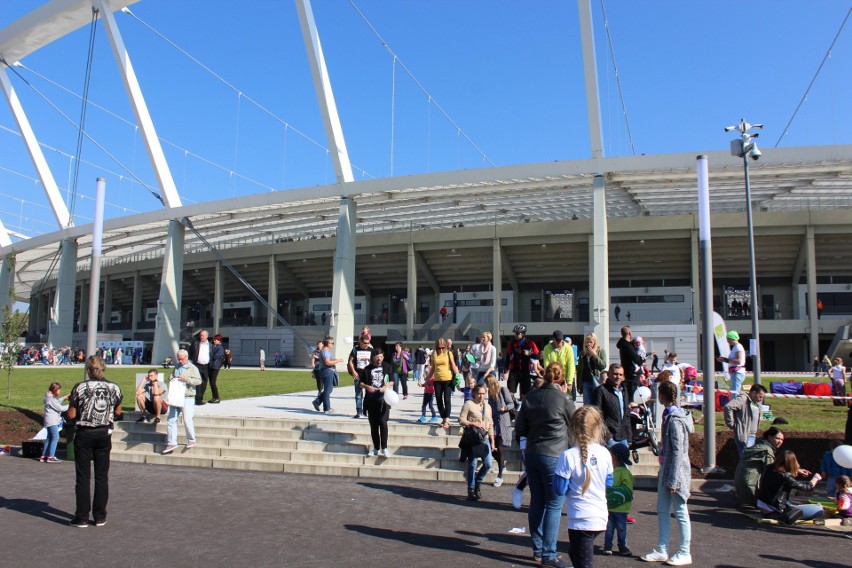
(326, 447)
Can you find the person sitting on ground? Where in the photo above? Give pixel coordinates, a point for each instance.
(753, 463)
(776, 485)
(829, 469)
(149, 397)
(742, 415)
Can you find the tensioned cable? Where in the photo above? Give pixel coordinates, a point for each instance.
(86, 134)
(232, 86)
(420, 85)
(808, 90)
(617, 78)
(86, 82)
(163, 140)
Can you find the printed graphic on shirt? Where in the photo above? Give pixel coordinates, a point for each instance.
(362, 358)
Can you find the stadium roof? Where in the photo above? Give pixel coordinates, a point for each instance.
(784, 180)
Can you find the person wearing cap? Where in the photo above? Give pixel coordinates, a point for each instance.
(619, 499)
(735, 361)
(217, 359)
(559, 350)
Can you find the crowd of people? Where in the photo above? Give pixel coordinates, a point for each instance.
(576, 458)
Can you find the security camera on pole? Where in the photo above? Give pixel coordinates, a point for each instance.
(745, 148)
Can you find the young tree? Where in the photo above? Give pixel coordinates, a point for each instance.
(12, 326)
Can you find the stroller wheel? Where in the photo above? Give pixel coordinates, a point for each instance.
(635, 456)
(653, 443)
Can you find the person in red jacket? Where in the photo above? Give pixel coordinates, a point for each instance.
(519, 353)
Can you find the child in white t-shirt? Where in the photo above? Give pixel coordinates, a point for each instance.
(583, 473)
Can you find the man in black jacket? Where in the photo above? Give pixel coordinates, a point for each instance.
(629, 357)
(611, 398)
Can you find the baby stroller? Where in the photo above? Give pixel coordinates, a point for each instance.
(642, 424)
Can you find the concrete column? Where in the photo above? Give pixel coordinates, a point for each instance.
(343, 291)
(106, 314)
(62, 324)
(218, 296)
(167, 332)
(411, 303)
(599, 266)
(497, 290)
(272, 298)
(136, 310)
(810, 243)
(7, 281)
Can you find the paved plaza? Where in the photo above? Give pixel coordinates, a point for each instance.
(165, 515)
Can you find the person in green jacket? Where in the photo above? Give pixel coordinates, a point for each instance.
(754, 462)
(560, 350)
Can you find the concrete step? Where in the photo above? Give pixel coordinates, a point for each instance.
(328, 447)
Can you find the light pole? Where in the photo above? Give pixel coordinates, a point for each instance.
(746, 147)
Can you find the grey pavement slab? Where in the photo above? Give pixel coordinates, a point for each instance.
(174, 516)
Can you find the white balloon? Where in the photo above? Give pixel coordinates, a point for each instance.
(642, 394)
(843, 456)
(391, 398)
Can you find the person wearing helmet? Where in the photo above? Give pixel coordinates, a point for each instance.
(519, 355)
(735, 360)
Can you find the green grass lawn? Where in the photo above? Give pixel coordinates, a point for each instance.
(802, 414)
(30, 384)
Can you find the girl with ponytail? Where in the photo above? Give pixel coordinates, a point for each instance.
(583, 473)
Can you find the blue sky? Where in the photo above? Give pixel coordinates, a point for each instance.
(508, 73)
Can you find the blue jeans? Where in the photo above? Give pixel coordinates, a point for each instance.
(588, 389)
(403, 379)
(810, 511)
(668, 504)
(616, 522)
(326, 377)
(545, 504)
(359, 396)
(472, 476)
(50, 443)
(741, 447)
(737, 379)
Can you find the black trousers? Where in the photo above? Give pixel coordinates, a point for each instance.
(444, 398)
(203, 370)
(581, 547)
(378, 414)
(213, 374)
(92, 445)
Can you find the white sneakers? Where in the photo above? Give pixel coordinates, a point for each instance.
(385, 453)
(679, 559)
(655, 556)
(498, 482)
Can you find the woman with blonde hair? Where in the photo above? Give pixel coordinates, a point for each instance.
(592, 360)
(502, 405)
(487, 358)
(442, 367)
(584, 472)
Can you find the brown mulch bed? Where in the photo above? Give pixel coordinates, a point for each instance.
(809, 448)
(18, 425)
